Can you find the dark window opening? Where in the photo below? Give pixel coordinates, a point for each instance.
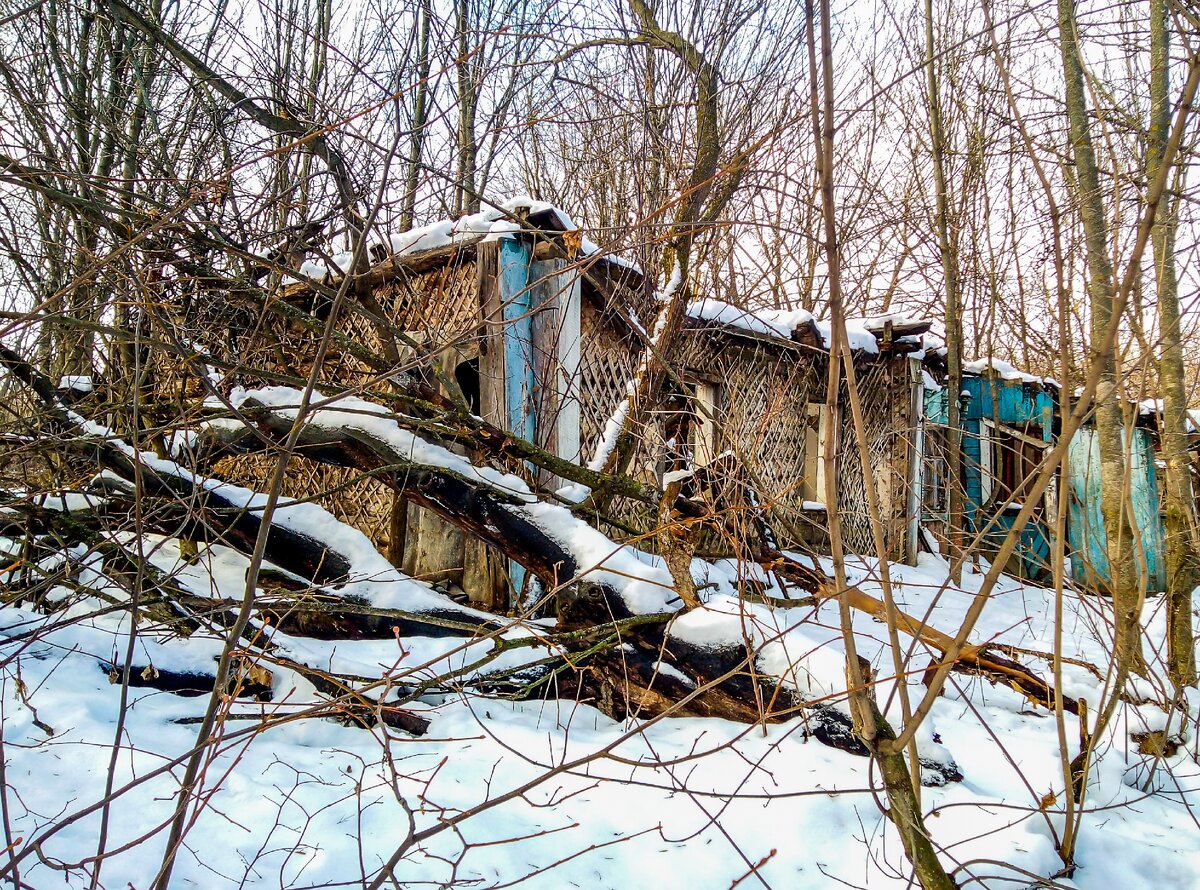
(1017, 461)
(467, 376)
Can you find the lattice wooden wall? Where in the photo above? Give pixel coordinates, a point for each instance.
(608, 360)
(766, 389)
(350, 496)
(884, 388)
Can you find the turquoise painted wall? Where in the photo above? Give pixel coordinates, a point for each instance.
(1086, 535)
(517, 304)
(936, 408)
(1016, 404)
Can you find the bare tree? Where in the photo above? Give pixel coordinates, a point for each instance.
(1102, 289)
(1180, 507)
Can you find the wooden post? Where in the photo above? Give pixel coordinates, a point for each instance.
(915, 456)
(482, 573)
(556, 334)
(570, 394)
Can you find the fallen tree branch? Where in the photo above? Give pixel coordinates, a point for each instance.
(500, 511)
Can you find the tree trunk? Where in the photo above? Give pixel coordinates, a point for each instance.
(419, 121)
(1181, 539)
(904, 807)
(948, 247)
(1101, 289)
(466, 198)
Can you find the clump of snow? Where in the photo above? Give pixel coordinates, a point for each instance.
(677, 476)
(932, 344)
(782, 324)
(180, 442)
(810, 660)
(642, 579)
(669, 670)
(489, 224)
(1006, 371)
(69, 501)
(722, 313)
(716, 625)
(667, 292)
(77, 382)
(1154, 408)
(857, 335)
(376, 421)
(608, 440)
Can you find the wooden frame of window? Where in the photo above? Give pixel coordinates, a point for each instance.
(816, 428)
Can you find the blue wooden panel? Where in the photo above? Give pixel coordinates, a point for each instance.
(1028, 409)
(1148, 512)
(1031, 559)
(517, 305)
(972, 476)
(1086, 533)
(1007, 401)
(1044, 409)
(974, 408)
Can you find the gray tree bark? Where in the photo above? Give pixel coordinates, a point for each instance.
(1181, 538)
(948, 247)
(1102, 293)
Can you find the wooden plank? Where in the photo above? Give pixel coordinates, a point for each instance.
(707, 395)
(516, 308)
(516, 301)
(570, 390)
(556, 298)
(543, 283)
(1086, 531)
(491, 336)
(915, 442)
(482, 579)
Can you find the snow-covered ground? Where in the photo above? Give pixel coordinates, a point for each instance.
(688, 802)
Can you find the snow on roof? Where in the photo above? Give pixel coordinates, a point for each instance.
(777, 323)
(1154, 407)
(931, 345)
(490, 224)
(1005, 371)
(783, 324)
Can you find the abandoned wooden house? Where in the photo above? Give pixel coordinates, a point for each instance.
(530, 326)
(1008, 423)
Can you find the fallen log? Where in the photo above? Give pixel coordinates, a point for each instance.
(508, 520)
(497, 519)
